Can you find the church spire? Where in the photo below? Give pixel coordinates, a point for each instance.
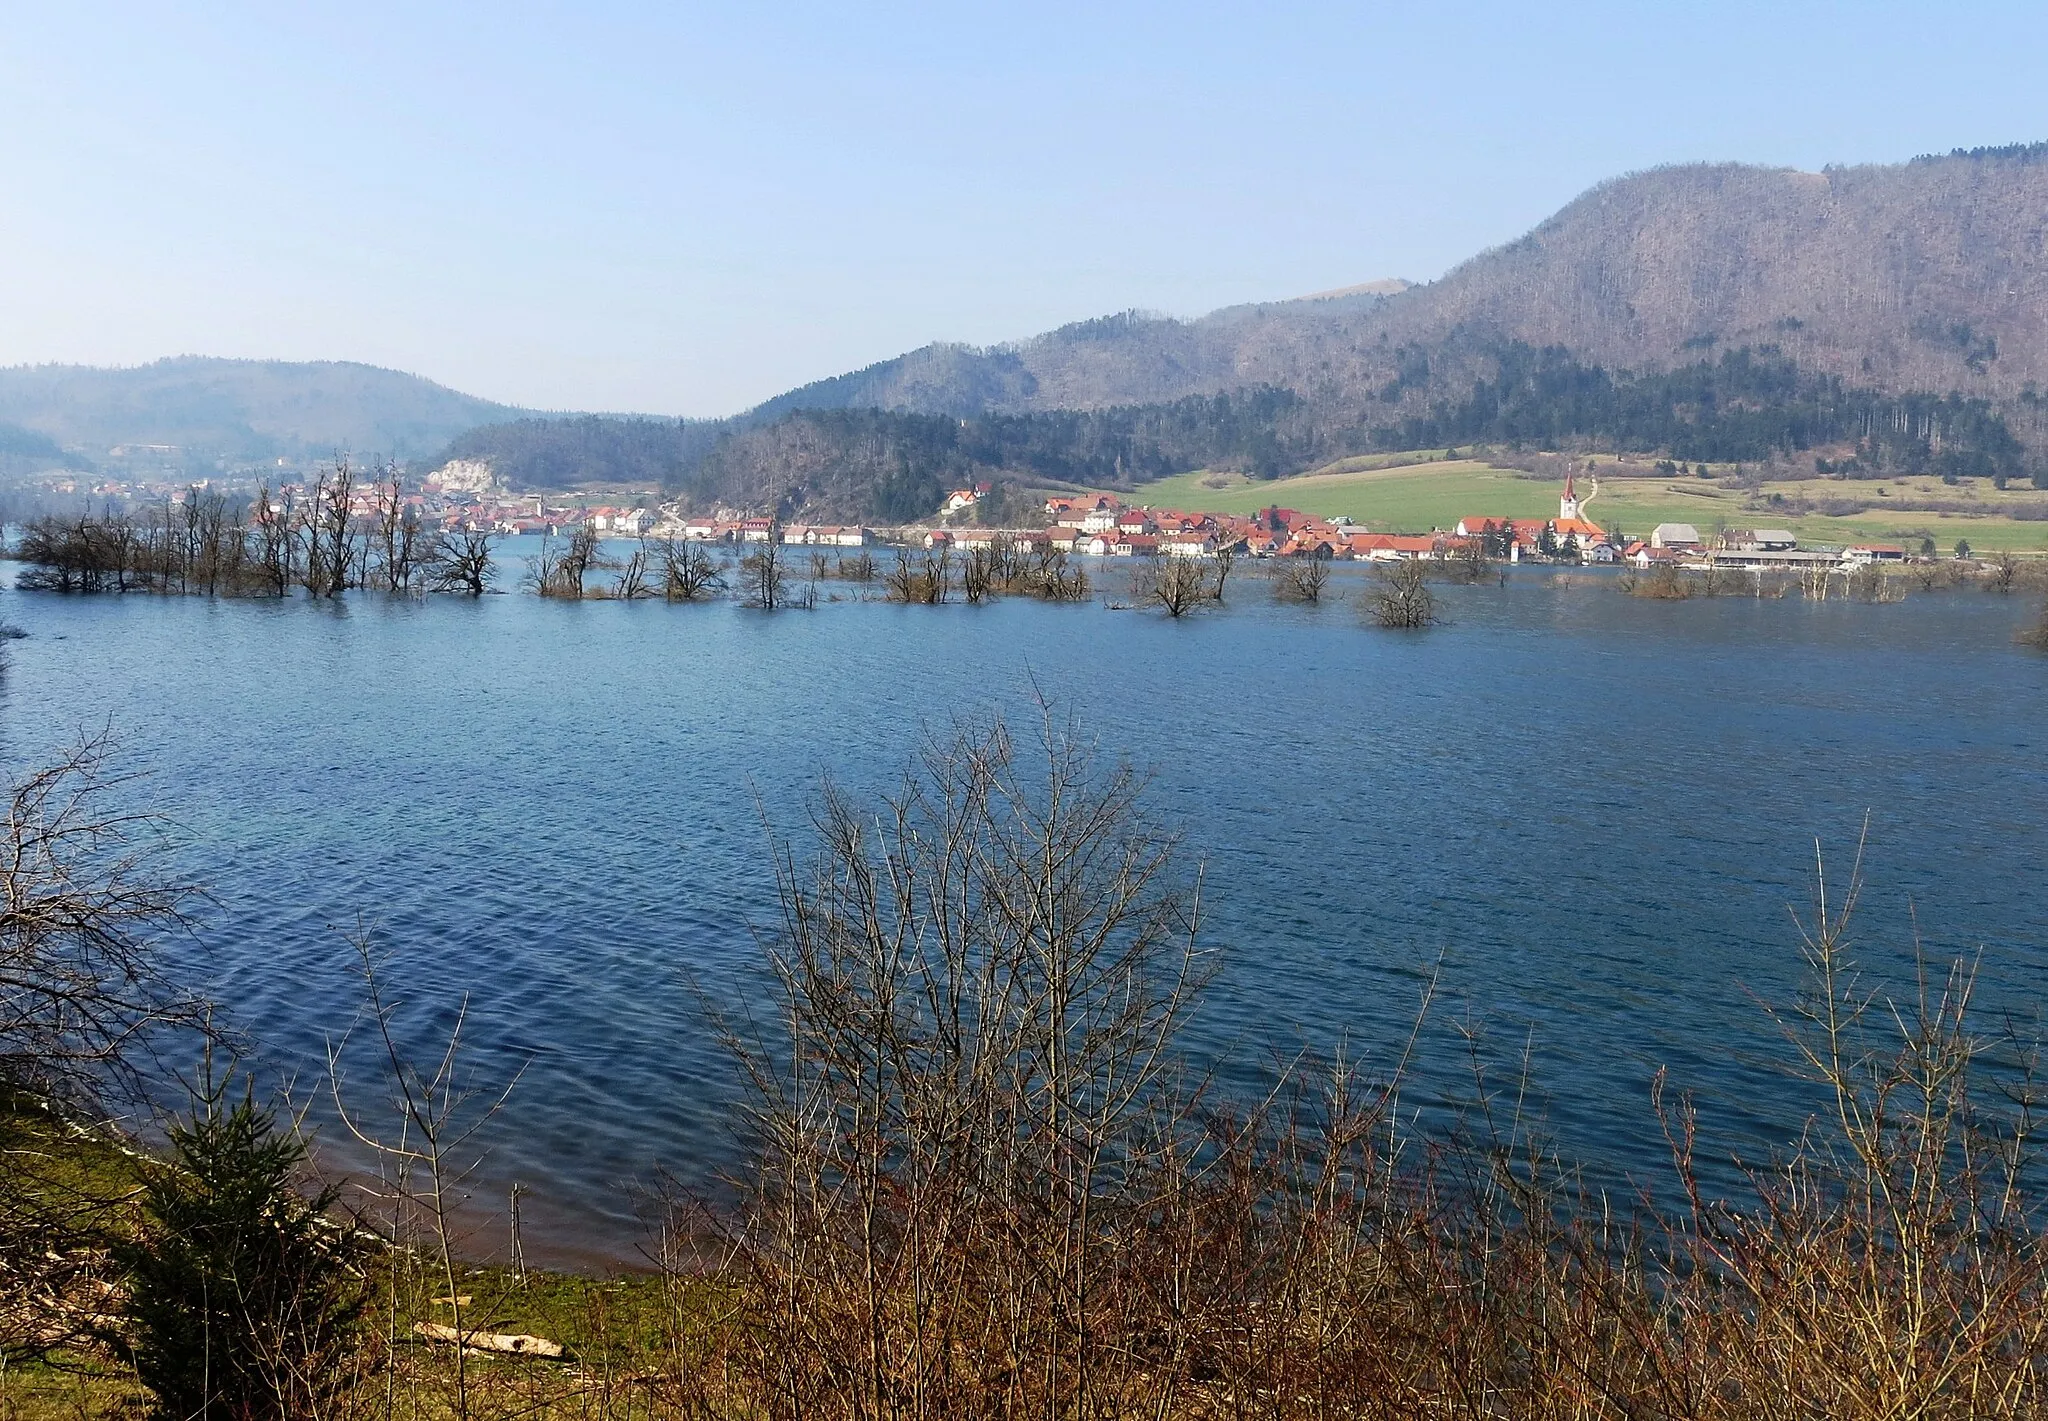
(1568, 506)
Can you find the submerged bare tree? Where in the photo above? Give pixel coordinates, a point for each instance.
(1051, 576)
(2036, 635)
(634, 584)
(1225, 558)
(1403, 601)
(276, 542)
(764, 579)
(563, 573)
(460, 562)
(979, 576)
(1181, 586)
(688, 571)
(404, 543)
(333, 555)
(1301, 580)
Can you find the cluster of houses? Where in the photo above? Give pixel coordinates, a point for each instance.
(762, 530)
(1680, 545)
(1101, 525)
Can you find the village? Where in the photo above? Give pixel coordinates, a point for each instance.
(1102, 525)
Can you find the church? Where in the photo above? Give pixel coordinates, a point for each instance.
(1571, 522)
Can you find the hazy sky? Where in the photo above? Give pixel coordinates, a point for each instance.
(687, 208)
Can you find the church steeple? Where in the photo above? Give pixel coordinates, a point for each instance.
(1568, 506)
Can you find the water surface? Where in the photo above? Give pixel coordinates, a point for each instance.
(1593, 811)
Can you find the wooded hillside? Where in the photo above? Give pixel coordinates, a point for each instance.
(1924, 276)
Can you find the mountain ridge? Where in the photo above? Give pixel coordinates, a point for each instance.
(1926, 275)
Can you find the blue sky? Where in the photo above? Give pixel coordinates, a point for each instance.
(687, 208)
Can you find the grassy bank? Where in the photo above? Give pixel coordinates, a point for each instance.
(76, 1190)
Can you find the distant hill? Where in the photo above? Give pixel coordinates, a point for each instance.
(1710, 312)
(1896, 316)
(1923, 276)
(1126, 359)
(229, 412)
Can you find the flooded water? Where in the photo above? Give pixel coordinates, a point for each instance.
(1593, 811)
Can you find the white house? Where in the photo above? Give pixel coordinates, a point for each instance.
(1674, 535)
(961, 498)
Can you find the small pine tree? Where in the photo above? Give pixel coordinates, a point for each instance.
(242, 1298)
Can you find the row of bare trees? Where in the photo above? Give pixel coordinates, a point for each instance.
(210, 545)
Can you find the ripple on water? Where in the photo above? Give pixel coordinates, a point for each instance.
(1592, 812)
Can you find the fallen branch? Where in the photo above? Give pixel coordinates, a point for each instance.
(517, 1344)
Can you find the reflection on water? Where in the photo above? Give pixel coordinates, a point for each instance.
(1594, 811)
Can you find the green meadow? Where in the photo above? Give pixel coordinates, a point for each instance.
(1393, 493)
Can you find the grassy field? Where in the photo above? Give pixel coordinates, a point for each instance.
(1389, 495)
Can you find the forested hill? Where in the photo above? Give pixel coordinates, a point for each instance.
(895, 466)
(1712, 311)
(239, 411)
(1922, 276)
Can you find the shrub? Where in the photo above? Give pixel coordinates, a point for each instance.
(242, 1298)
(2036, 636)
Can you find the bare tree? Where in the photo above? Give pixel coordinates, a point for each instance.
(276, 546)
(1471, 563)
(633, 584)
(332, 556)
(925, 582)
(2001, 571)
(978, 575)
(1181, 586)
(1403, 600)
(563, 574)
(429, 1153)
(461, 562)
(2036, 636)
(688, 571)
(1301, 580)
(404, 544)
(1224, 559)
(763, 577)
(967, 1097)
(83, 912)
